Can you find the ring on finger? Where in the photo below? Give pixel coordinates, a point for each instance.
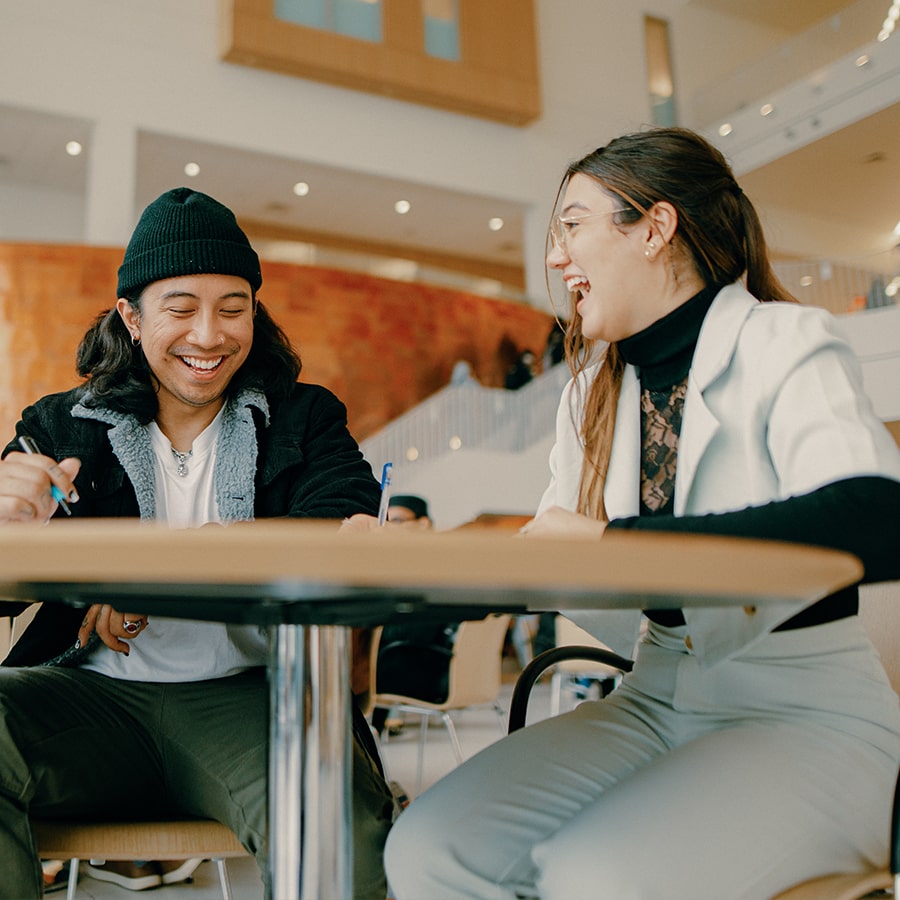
(133, 627)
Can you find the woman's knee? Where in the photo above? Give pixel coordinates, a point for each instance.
(415, 846)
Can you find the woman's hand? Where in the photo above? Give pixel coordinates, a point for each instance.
(25, 484)
(559, 522)
(112, 627)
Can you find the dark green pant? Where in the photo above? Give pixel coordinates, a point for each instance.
(76, 744)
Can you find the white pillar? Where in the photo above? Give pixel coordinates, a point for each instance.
(535, 242)
(110, 215)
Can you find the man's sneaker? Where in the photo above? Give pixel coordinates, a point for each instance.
(56, 875)
(175, 870)
(132, 876)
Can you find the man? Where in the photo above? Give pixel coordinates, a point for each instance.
(409, 510)
(190, 413)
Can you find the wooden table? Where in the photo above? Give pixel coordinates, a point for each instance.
(306, 582)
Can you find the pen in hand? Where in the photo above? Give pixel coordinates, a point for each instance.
(385, 493)
(29, 446)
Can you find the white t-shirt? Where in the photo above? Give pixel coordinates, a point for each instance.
(176, 650)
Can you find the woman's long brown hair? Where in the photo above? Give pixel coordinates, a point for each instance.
(718, 230)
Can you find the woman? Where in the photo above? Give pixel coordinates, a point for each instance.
(750, 748)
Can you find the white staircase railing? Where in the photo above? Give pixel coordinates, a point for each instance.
(467, 417)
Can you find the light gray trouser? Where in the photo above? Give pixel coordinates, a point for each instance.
(78, 744)
(731, 781)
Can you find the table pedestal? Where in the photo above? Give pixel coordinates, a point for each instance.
(310, 764)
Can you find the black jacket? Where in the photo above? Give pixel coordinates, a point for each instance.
(308, 466)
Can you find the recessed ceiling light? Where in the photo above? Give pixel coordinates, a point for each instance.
(402, 207)
(806, 280)
(725, 129)
(192, 170)
(301, 188)
(862, 60)
(495, 223)
(73, 148)
(766, 109)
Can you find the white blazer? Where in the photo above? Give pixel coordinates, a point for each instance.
(775, 408)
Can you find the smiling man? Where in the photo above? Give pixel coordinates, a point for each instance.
(191, 414)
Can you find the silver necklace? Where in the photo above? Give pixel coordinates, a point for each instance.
(182, 460)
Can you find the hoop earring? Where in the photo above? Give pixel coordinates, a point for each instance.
(135, 340)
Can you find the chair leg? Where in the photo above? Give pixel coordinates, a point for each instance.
(501, 717)
(73, 879)
(556, 680)
(423, 734)
(451, 730)
(224, 879)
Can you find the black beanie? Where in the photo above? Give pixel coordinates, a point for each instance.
(416, 505)
(184, 232)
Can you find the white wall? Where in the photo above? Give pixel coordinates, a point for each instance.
(126, 65)
(42, 215)
(874, 335)
(459, 486)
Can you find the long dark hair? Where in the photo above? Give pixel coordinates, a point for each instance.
(718, 228)
(118, 377)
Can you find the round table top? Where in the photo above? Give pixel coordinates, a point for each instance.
(280, 562)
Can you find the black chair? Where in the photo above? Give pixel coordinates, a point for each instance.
(518, 707)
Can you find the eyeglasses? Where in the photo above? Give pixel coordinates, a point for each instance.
(562, 225)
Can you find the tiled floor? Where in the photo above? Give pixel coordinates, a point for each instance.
(476, 729)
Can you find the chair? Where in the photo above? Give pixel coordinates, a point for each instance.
(879, 608)
(568, 673)
(599, 655)
(474, 680)
(174, 839)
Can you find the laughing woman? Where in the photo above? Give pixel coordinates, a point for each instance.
(750, 749)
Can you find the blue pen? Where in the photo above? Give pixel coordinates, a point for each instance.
(385, 493)
(29, 446)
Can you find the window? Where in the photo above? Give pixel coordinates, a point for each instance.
(355, 18)
(441, 28)
(477, 57)
(659, 71)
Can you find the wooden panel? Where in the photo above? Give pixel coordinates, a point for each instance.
(894, 429)
(497, 77)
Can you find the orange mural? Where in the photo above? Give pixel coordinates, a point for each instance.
(382, 346)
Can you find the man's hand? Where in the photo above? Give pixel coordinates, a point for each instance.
(112, 627)
(25, 486)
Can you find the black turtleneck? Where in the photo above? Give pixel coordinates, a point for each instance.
(663, 351)
(855, 515)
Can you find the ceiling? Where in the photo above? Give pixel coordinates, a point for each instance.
(848, 181)
(789, 15)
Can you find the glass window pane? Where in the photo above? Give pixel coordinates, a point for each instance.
(353, 18)
(441, 18)
(659, 71)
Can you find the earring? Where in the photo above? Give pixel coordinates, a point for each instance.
(135, 340)
(650, 248)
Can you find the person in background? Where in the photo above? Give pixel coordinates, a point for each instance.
(413, 658)
(190, 414)
(521, 372)
(750, 749)
(410, 511)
